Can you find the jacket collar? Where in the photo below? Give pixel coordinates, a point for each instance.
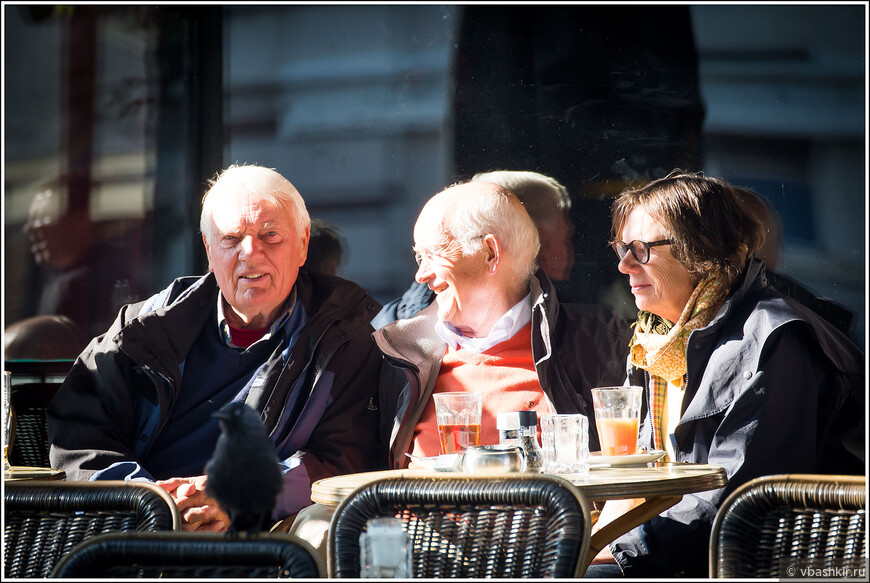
(162, 334)
(752, 280)
(545, 309)
(162, 337)
(418, 341)
(416, 336)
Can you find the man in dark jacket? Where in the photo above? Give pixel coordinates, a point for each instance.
(297, 347)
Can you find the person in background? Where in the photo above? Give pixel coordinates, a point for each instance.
(770, 254)
(326, 249)
(547, 203)
(735, 373)
(496, 326)
(549, 206)
(258, 328)
(74, 254)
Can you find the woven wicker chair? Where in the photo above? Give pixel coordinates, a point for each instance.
(34, 383)
(44, 520)
(191, 555)
(775, 525)
(518, 526)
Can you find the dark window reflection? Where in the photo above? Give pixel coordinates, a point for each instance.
(117, 115)
(87, 268)
(88, 91)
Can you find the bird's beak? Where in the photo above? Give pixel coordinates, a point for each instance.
(221, 415)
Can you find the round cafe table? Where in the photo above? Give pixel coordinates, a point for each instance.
(661, 485)
(18, 473)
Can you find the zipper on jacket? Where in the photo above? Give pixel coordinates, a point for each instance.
(412, 374)
(303, 373)
(156, 377)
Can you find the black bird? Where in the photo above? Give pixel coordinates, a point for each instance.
(243, 473)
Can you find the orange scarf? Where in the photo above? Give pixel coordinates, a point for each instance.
(661, 351)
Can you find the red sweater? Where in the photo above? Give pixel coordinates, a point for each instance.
(506, 376)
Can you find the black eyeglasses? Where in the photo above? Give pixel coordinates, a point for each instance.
(639, 249)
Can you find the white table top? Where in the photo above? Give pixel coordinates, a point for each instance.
(659, 479)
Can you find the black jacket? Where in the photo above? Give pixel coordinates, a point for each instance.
(121, 389)
(772, 388)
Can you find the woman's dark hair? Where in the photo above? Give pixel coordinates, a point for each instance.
(712, 232)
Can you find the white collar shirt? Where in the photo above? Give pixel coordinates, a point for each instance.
(507, 326)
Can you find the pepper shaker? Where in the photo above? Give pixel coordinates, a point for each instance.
(521, 428)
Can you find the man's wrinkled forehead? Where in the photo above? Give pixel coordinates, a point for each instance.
(432, 223)
(234, 210)
(250, 183)
(430, 229)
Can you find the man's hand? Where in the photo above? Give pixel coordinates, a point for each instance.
(198, 511)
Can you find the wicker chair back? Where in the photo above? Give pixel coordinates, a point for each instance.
(34, 383)
(461, 527)
(191, 555)
(44, 520)
(775, 526)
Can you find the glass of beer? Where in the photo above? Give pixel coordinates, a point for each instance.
(458, 415)
(617, 414)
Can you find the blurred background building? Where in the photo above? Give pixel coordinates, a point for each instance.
(116, 115)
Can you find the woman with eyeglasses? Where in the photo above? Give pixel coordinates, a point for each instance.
(735, 374)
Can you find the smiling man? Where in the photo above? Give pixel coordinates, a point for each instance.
(296, 346)
(495, 326)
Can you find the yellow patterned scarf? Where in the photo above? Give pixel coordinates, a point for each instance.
(660, 349)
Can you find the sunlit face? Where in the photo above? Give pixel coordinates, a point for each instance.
(556, 256)
(255, 251)
(662, 285)
(458, 281)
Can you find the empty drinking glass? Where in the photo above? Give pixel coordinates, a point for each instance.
(565, 442)
(385, 550)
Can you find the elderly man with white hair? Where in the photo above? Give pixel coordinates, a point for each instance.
(259, 329)
(495, 326)
(548, 204)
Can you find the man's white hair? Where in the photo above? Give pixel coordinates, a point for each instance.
(263, 181)
(490, 212)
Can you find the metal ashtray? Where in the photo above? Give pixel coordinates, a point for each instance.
(490, 459)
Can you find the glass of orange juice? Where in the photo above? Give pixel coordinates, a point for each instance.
(458, 415)
(617, 414)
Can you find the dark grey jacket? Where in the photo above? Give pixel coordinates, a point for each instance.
(121, 389)
(772, 388)
(575, 347)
